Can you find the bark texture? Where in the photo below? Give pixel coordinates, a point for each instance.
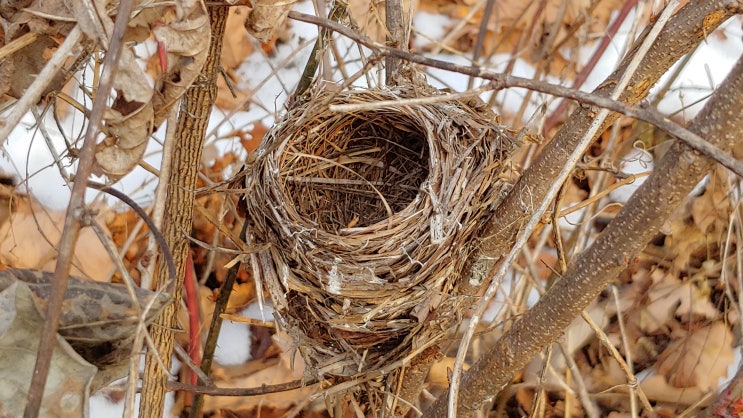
(674, 177)
(686, 29)
(192, 122)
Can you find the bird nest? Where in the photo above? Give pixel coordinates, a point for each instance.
(366, 218)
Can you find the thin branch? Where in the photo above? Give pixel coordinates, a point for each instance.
(608, 37)
(258, 391)
(674, 177)
(481, 35)
(501, 81)
(75, 210)
(220, 306)
(156, 234)
(32, 94)
(148, 262)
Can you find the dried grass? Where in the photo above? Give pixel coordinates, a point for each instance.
(370, 217)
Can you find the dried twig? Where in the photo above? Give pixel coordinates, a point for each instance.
(33, 93)
(257, 391)
(395, 37)
(674, 177)
(502, 81)
(220, 306)
(75, 209)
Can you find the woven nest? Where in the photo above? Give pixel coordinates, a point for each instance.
(369, 218)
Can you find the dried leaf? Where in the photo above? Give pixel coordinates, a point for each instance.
(70, 377)
(699, 359)
(187, 44)
(98, 319)
(30, 237)
(669, 297)
(256, 136)
(93, 20)
(441, 371)
(657, 388)
(267, 16)
(226, 100)
(138, 109)
(279, 372)
(713, 205)
(235, 45)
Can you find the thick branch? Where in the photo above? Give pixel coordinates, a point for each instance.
(683, 32)
(674, 177)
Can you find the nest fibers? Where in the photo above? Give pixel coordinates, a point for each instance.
(368, 219)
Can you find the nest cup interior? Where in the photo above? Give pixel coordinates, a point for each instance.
(354, 172)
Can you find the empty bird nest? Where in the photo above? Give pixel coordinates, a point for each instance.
(366, 219)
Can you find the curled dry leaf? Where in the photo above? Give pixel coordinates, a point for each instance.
(669, 297)
(139, 109)
(236, 46)
(99, 320)
(29, 237)
(266, 372)
(266, 17)
(657, 389)
(140, 104)
(534, 27)
(439, 376)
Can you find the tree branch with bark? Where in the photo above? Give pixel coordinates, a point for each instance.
(675, 175)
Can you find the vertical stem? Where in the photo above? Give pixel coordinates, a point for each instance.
(216, 325)
(75, 209)
(395, 37)
(192, 123)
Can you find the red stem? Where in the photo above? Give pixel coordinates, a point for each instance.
(194, 328)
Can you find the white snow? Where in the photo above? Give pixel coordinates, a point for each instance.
(637, 161)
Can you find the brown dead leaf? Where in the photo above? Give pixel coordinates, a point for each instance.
(682, 240)
(699, 225)
(280, 372)
(527, 25)
(669, 297)
(99, 320)
(29, 240)
(256, 136)
(242, 295)
(235, 48)
(267, 17)
(699, 359)
(187, 43)
(70, 376)
(226, 100)
(183, 40)
(712, 207)
(370, 16)
(441, 371)
(657, 389)
(236, 45)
